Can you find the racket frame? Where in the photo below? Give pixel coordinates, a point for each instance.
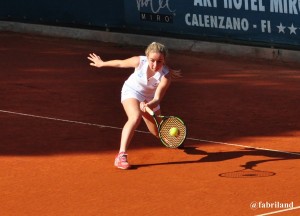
(159, 125)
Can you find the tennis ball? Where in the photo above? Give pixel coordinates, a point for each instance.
(174, 131)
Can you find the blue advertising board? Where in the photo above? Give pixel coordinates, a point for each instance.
(90, 13)
(267, 22)
(260, 22)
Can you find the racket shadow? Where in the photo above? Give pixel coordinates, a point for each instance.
(224, 156)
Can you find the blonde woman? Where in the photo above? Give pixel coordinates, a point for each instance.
(145, 87)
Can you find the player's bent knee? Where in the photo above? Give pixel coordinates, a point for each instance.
(134, 120)
(154, 132)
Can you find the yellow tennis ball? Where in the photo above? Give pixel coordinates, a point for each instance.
(174, 131)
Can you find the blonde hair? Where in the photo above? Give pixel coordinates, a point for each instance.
(157, 48)
(160, 48)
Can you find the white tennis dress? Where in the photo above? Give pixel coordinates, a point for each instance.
(138, 86)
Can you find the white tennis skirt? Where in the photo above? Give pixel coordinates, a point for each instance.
(128, 93)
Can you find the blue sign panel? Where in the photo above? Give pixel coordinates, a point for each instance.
(260, 22)
(268, 22)
(93, 13)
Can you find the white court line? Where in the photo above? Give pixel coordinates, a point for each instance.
(65, 120)
(245, 146)
(57, 119)
(280, 211)
(118, 128)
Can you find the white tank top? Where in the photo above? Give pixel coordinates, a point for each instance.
(138, 81)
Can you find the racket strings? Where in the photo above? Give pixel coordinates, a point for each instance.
(167, 139)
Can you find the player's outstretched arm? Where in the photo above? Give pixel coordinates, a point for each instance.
(96, 61)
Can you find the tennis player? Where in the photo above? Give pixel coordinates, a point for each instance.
(145, 87)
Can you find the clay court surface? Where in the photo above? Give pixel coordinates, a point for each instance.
(61, 120)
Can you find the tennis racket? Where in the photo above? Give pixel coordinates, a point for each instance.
(164, 127)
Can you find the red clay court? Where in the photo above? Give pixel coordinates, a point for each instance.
(61, 122)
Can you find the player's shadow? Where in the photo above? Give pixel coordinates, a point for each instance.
(224, 156)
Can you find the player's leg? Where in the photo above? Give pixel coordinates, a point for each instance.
(151, 125)
(133, 112)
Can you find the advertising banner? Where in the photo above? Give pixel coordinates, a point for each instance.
(269, 23)
(266, 22)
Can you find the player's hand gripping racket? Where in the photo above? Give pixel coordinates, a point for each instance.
(171, 129)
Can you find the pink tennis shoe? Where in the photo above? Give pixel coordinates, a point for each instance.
(121, 161)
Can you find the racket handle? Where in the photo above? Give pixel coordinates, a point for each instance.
(149, 111)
